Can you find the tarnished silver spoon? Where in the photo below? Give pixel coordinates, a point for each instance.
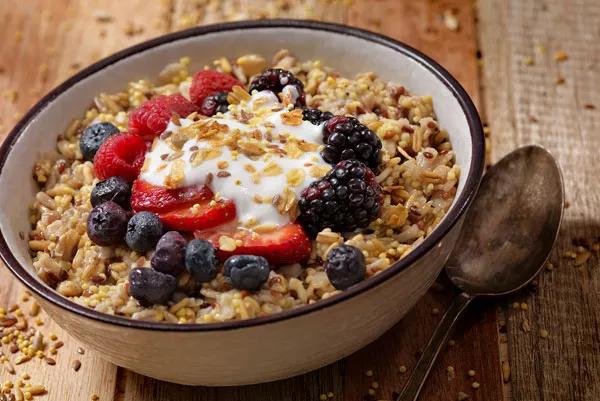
(505, 241)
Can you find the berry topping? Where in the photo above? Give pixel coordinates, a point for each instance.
(107, 224)
(275, 80)
(151, 287)
(114, 189)
(200, 260)
(345, 266)
(120, 155)
(345, 138)
(286, 245)
(209, 82)
(214, 104)
(316, 116)
(168, 257)
(200, 216)
(348, 197)
(154, 198)
(143, 231)
(152, 117)
(93, 136)
(247, 272)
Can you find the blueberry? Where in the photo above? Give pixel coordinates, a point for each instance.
(114, 189)
(247, 272)
(143, 231)
(201, 260)
(93, 136)
(107, 224)
(345, 266)
(150, 287)
(169, 255)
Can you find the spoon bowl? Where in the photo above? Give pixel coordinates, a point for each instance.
(511, 226)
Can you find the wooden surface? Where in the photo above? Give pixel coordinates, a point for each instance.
(525, 104)
(44, 42)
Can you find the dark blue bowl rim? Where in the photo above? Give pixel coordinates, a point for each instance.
(462, 203)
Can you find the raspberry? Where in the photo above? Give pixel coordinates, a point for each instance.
(347, 198)
(275, 79)
(209, 82)
(316, 116)
(345, 138)
(120, 156)
(152, 117)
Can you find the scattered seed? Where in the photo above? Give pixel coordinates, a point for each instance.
(505, 371)
(462, 396)
(402, 369)
(50, 361)
(371, 391)
(589, 106)
(323, 397)
(524, 306)
(544, 333)
(561, 56)
(369, 373)
(95, 397)
(475, 385)
(58, 344)
(471, 373)
(80, 351)
(76, 365)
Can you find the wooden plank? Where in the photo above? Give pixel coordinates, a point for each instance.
(526, 103)
(45, 42)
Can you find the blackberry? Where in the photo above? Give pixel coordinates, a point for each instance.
(345, 138)
(316, 116)
(93, 136)
(214, 104)
(275, 79)
(347, 198)
(345, 266)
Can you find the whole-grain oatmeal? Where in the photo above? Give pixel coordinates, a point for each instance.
(247, 181)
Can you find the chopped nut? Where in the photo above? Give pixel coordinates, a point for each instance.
(227, 244)
(252, 64)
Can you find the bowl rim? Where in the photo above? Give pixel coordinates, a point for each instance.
(451, 219)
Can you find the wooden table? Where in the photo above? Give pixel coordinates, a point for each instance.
(536, 79)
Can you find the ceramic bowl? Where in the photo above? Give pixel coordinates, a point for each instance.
(266, 348)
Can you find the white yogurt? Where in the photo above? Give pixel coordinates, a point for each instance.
(239, 185)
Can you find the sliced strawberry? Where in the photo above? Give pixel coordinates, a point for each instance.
(205, 215)
(286, 245)
(209, 82)
(120, 155)
(153, 198)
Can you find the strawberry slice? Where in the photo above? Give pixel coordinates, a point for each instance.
(201, 216)
(153, 198)
(286, 245)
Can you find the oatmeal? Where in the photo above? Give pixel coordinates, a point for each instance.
(209, 197)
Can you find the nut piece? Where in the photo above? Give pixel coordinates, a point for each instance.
(252, 64)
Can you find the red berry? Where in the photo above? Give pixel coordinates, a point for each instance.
(154, 198)
(120, 156)
(209, 82)
(286, 245)
(152, 117)
(205, 215)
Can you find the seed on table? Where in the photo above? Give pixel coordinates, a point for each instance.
(80, 351)
(13, 348)
(58, 344)
(462, 396)
(95, 397)
(471, 373)
(50, 361)
(76, 365)
(475, 385)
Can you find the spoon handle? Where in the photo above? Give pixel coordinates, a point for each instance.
(438, 340)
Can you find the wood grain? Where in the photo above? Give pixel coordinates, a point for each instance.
(525, 103)
(67, 35)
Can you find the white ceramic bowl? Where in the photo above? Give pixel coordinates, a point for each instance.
(266, 348)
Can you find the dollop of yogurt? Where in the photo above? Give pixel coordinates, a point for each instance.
(260, 154)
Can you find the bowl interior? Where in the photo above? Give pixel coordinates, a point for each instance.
(346, 53)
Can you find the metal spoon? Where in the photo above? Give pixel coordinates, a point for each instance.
(505, 241)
